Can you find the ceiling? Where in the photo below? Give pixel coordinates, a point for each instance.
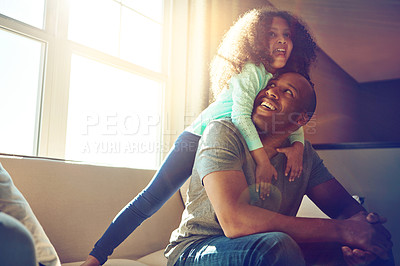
(361, 36)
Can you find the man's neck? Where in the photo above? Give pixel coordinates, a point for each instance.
(273, 141)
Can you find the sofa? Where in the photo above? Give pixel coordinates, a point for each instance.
(75, 202)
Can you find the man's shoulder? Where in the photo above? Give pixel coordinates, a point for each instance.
(222, 132)
(222, 126)
(225, 121)
(308, 146)
(310, 154)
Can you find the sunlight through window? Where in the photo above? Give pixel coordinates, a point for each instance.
(20, 92)
(28, 11)
(114, 117)
(131, 30)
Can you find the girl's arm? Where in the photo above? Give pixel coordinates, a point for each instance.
(298, 136)
(245, 86)
(294, 154)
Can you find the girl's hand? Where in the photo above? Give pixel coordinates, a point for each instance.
(294, 164)
(264, 174)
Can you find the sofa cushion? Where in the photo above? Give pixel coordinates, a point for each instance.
(112, 262)
(14, 204)
(154, 259)
(76, 202)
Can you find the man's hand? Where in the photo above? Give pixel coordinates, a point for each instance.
(357, 257)
(91, 261)
(374, 218)
(360, 257)
(366, 232)
(294, 164)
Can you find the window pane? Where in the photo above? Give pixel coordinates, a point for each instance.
(95, 23)
(113, 116)
(20, 87)
(116, 29)
(28, 11)
(150, 8)
(141, 40)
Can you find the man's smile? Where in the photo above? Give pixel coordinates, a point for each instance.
(269, 104)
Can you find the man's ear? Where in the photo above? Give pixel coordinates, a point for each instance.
(303, 119)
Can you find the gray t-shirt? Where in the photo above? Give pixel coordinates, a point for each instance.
(222, 148)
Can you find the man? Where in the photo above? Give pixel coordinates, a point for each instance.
(225, 222)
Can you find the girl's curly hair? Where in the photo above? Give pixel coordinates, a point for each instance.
(247, 41)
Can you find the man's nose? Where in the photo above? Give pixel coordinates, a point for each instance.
(273, 93)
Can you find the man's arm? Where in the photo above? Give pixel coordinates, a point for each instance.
(333, 199)
(229, 194)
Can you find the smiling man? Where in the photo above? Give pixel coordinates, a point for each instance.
(226, 223)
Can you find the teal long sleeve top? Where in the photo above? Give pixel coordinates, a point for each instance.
(237, 102)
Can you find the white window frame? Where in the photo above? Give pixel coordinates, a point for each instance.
(55, 91)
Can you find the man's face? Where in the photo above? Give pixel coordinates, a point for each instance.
(279, 106)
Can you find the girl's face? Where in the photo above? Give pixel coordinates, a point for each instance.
(280, 43)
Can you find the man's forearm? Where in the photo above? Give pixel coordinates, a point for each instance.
(333, 199)
(247, 220)
(230, 197)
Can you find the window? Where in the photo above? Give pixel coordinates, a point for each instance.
(107, 128)
(131, 30)
(28, 11)
(89, 80)
(21, 70)
(118, 111)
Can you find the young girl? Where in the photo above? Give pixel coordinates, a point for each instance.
(258, 45)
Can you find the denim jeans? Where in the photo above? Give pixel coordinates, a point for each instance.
(259, 249)
(175, 170)
(264, 249)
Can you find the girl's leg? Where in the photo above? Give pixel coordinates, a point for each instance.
(175, 170)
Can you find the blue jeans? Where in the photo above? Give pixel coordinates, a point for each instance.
(16, 243)
(175, 170)
(264, 249)
(258, 249)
